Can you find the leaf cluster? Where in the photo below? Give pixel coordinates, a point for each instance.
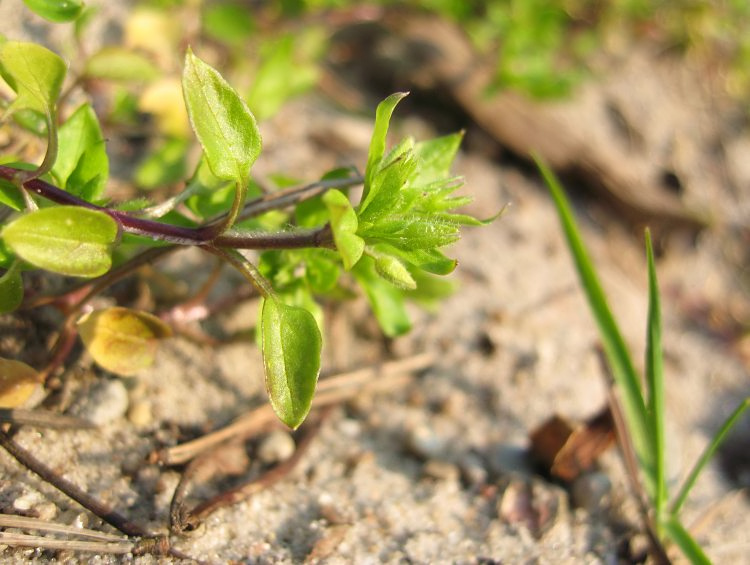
(310, 244)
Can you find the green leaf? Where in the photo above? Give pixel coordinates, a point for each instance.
(279, 78)
(344, 225)
(221, 120)
(378, 140)
(35, 74)
(10, 195)
(121, 340)
(166, 165)
(291, 356)
(386, 301)
(69, 240)
(707, 455)
(434, 158)
(11, 289)
(682, 538)
(619, 359)
(58, 11)
(82, 166)
(120, 64)
(392, 270)
(228, 23)
(655, 383)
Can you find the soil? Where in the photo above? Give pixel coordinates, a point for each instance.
(433, 466)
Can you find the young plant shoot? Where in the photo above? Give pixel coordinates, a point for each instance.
(308, 242)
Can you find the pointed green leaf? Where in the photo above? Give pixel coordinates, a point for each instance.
(655, 382)
(11, 289)
(344, 225)
(66, 239)
(394, 271)
(10, 195)
(221, 120)
(122, 340)
(386, 301)
(379, 134)
(291, 356)
(435, 157)
(120, 64)
(82, 166)
(618, 356)
(35, 73)
(58, 11)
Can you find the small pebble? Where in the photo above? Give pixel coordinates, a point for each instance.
(441, 470)
(140, 413)
(591, 491)
(473, 469)
(105, 402)
(509, 459)
(276, 446)
(423, 442)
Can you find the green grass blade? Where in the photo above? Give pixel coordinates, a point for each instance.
(623, 370)
(655, 383)
(680, 536)
(707, 455)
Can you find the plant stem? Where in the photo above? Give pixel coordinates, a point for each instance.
(205, 234)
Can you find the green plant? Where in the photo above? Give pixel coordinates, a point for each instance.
(312, 241)
(643, 410)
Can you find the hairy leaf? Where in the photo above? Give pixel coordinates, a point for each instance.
(82, 166)
(386, 301)
(344, 225)
(435, 157)
(58, 11)
(122, 340)
(18, 382)
(35, 73)
(377, 143)
(221, 120)
(291, 356)
(66, 239)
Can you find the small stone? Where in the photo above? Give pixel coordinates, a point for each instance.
(276, 446)
(509, 459)
(105, 402)
(140, 413)
(441, 470)
(473, 469)
(591, 491)
(423, 442)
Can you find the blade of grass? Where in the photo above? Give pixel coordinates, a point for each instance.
(655, 385)
(708, 453)
(623, 371)
(680, 536)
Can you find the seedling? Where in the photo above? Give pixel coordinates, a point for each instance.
(58, 218)
(642, 399)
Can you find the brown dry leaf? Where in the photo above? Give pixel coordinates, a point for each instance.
(18, 382)
(122, 340)
(566, 451)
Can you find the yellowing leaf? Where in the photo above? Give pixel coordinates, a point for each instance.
(121, 340)
(18, 382)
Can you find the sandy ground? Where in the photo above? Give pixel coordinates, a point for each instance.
(434, 470)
